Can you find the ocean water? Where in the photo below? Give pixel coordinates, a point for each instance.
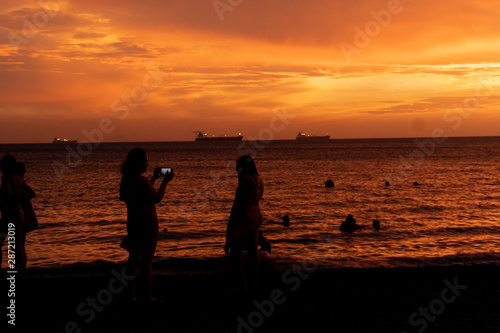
(452, 217)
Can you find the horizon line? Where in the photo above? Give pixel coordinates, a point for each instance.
(294, 140)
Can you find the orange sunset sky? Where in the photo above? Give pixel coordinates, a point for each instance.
(352, 69)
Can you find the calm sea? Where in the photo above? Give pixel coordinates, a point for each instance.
(452, 217)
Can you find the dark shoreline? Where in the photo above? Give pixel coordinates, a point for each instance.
(323, 300)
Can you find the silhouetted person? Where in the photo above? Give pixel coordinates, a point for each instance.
(349, 224)
(376, 225)
(387, 183)
(329, 183)
(286, 221)
(264, 243)
(12, 213)
(242, 232)
(142, 222)
(30, 219)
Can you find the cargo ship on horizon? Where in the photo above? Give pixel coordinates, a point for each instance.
(302, 136)
(59, 141)
(203, 137)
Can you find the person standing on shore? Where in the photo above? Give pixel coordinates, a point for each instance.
(10, 206)
(30, 219)
(242, 232)
(141, 198)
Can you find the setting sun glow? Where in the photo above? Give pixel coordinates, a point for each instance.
(361, 69)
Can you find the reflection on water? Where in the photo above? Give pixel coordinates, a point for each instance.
(451, 217)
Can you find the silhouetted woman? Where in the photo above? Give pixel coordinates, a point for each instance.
(245, 221)
(30, 219)
(142, 222)
(12, 213)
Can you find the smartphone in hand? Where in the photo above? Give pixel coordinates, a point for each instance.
(162, 171)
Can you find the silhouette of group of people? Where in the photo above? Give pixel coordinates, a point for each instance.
(243, 234)
(350, 224)
(243, 229)
(17, 213)
(140, 196)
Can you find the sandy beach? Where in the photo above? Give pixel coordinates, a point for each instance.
(429, 299)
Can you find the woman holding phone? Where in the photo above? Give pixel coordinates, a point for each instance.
(141, 198)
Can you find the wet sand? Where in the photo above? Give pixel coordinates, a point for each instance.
(429, 299)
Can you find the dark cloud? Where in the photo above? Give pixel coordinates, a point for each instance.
(433, 104)
(88, 35)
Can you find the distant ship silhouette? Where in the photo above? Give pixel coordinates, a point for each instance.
(58, 141)
(202, 136)
(303, 137)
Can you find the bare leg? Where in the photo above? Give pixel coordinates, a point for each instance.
(20, 251)
(2, 240)
(146, 274)
(23, 249)
(251, 269)
(242, 267)
(131, 268)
